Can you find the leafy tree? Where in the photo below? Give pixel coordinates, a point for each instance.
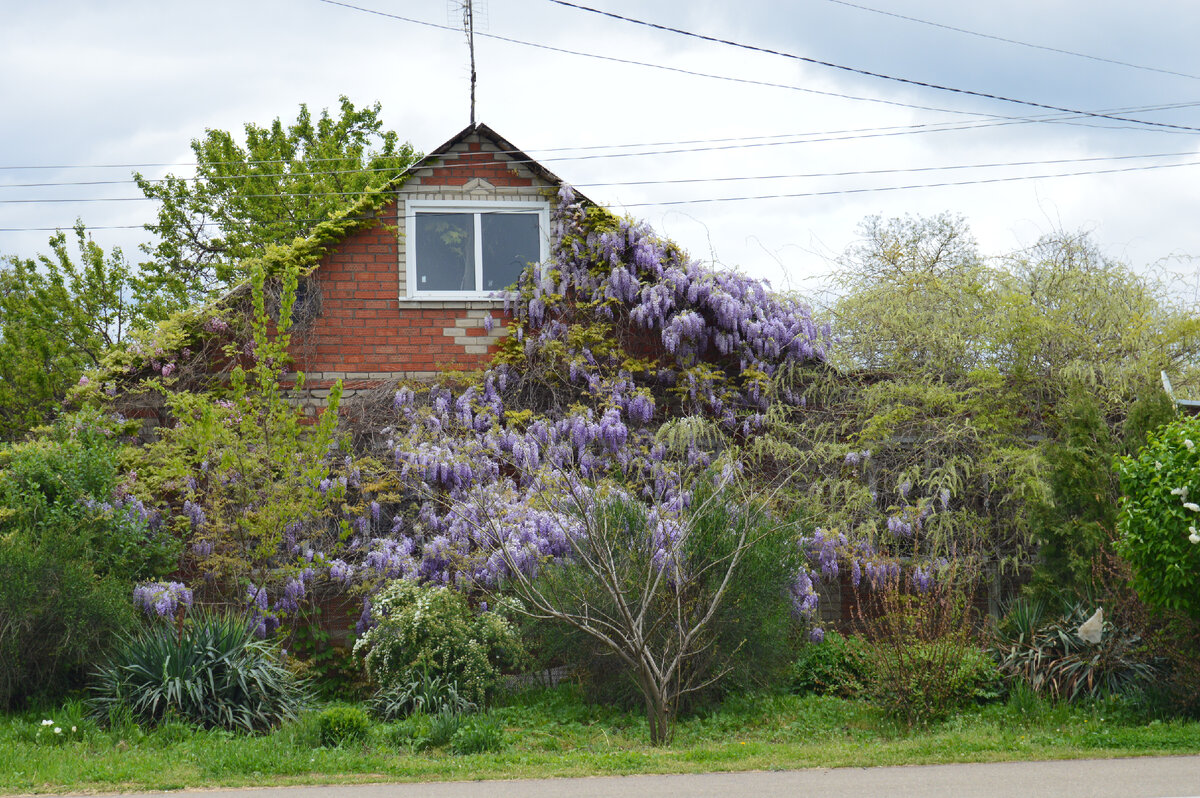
(278, 186)
(57, 316)
(953, 372)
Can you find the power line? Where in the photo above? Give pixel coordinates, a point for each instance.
(981, 35)
(879, 189)
(694, 73)
(862, 172)
(868, 73)
(853, 173)
(832, 192)
(812, 137)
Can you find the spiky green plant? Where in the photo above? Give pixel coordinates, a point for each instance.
(213, 672)
(1046, 652)
(428, 694)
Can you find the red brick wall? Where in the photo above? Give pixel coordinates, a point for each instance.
(472, 164)
(363, 327)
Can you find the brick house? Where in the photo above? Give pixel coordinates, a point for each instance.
(410, 298)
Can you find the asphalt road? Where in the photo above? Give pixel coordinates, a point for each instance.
(1144, 777)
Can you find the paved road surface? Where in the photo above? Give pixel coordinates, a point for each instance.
(1146, 777)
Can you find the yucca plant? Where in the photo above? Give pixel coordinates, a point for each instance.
(1048, 654)
(430, 695)
(213, 671)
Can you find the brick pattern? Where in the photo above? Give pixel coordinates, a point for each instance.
(476, 170)
(370, 331)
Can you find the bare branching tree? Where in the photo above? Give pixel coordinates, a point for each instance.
(649, 583)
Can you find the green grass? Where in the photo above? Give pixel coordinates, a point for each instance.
(553, 733)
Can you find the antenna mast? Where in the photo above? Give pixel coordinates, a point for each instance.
(469, 22)
(469, 13)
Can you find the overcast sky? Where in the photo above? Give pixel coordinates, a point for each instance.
(84, 83)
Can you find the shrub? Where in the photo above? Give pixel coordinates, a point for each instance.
(338, 726)
(213, 672)
(1159, 518)
(836, 666)
(71, 545)
(56, 614)
(426, 694)
(478, 735)
(1048, 654)
(923, 658)
(431, 632)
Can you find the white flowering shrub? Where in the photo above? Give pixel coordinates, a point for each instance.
(426, 631)
(1159, 522)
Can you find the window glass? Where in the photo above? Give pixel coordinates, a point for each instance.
(510, 242)
(445, 245)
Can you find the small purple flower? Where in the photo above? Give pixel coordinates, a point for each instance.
(817, 635)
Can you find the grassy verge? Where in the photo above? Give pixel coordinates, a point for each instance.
(553, 733)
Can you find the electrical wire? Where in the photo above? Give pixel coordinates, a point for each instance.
(854, 173)
(879, 189)
(1006, 40)
(866, 72)
(773, 140)
(695, 201)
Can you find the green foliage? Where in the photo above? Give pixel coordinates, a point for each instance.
(1046, 653)
(64, 489)
(478, 734)
(56, 614)
(1150, 411)
(1160, 517)
(428, 695)
(71, 544)
(248, 461)
(333, 670)
(1077, 522)
(57, 316)
(954, 368)
(275, 188)
(212, 671)
(428, 632)
(338, 726)
(836, 666)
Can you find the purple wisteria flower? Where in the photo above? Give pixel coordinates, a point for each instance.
(162, 599)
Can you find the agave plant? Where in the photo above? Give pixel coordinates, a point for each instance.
(1048, 653)
(213, 672)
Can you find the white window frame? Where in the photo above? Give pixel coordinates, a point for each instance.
(477, 208)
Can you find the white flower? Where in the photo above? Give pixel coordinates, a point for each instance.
(74, 729)
(1195, 508)
(1180, 492)
(47, 723)
(1194, 538)
(1188, 443)
(1157, 466)
(58, 729)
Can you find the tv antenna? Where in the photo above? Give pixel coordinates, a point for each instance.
(469, 14)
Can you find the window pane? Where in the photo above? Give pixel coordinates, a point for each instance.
(510, 242)
(445, 251)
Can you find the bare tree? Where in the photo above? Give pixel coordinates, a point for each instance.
(646, 581)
